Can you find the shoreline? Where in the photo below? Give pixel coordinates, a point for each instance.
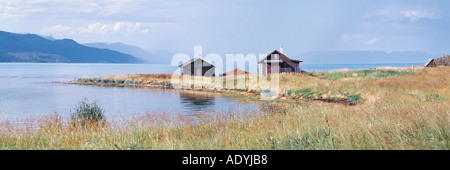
(120, 80)
(162, 81)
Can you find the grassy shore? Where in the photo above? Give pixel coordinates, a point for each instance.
(396, 109)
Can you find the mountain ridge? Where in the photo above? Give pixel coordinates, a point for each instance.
(154, 56)
(35, 48)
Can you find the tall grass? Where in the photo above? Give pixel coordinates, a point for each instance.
(365, 74)
(278, 126)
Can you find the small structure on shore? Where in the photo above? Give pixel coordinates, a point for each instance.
(431, 63)
(285, 64)
(197, 67)
(235, 71)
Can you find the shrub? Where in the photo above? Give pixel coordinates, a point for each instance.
(87, 113)
(128, 82)
(163, 76)
(119, 81)
(107, 80)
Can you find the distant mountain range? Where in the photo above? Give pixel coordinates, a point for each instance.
(34, 48)
(363, 57)
(155, 56)
(45, 49)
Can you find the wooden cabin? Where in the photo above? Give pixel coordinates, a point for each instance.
(285, 64)
(431, 63)
(198, 67)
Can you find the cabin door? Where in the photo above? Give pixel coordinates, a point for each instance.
(198, 71)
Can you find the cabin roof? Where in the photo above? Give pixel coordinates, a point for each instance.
(193, 60)
(428, 62)
(235, 71)
(297, 61)
(282, 57)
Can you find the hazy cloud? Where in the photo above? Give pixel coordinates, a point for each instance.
(238, 26)
(417, 14)
(397, 14)
(351, 37)
(136, 10)
(372, 41)
(103, 28)
(359, 38)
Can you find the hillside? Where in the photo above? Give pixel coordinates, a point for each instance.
(444, 61)
(154, 56)
(37, 49)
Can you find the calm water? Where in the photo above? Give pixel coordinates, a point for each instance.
(26, 89)
(330, 67)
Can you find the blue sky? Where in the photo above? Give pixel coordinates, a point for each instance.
(245, 26)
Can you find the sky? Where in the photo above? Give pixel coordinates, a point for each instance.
(239, 26)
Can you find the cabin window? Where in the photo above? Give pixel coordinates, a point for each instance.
(275, 56)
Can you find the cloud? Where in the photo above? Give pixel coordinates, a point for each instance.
(351, 37)
(52, 8)
(399, 13)
(359, 38)
(104, 28)
(372, 41)
(417, 14)
(135, 10)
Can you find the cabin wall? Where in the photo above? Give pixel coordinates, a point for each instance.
(432, 64)
(197, 69)
(273, 68)
(285, 65)
(206, 69)
(262, 68)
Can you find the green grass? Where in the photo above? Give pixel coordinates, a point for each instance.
(307, 94)
(365, 74)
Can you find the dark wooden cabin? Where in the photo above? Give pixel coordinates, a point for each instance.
(198, 67)
(285, 64)
(431, 63)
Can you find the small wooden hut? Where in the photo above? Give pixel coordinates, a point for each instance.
(197, 67)
(283, 63)
(431, 63)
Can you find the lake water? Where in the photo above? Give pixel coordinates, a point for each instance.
(27, 89)
(330, 67)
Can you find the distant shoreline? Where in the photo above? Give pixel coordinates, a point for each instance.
(305, 67)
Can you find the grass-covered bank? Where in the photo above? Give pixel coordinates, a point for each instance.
(343, 87)
(313, 125)
(397, 112)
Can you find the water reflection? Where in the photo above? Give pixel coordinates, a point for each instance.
(195, 102)
(26, 90)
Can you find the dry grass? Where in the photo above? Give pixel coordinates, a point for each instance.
(399, 112)
(313, 125)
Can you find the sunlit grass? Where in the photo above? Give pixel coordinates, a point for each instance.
(365, 74)
(278, 126)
